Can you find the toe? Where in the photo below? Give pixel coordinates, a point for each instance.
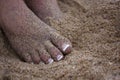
(45, 57)
(62, 43)
(53, 51)
(35, 57)
(25, 57)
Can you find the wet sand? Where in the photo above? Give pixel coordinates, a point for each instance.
(93, 26)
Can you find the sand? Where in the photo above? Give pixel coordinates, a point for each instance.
(93, 27)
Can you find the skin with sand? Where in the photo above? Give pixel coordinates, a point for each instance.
(26, 26)
(93, 28)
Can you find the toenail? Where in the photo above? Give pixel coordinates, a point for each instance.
(65, 46)
(32, 63)
(50, 61)
(59, 57)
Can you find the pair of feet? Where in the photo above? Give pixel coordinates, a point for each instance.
(31, 38)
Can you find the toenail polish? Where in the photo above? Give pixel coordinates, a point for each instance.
(65, 46)
(32, 63)
(59, 57)
(50, 61)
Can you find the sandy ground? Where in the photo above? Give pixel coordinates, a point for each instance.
(93, 26)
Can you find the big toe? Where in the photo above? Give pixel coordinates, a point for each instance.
(61, 43)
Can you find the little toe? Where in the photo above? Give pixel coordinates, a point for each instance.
(53, 51)
(35, 57)
(62, 43)
(45, 57)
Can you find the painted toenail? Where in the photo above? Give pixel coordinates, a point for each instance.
(50, 61)
(59, 57)
(32, 63)
(65, 46)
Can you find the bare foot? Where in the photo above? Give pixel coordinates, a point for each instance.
(45, 9)
(32, 39)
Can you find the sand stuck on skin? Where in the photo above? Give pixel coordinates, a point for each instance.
(93, 27)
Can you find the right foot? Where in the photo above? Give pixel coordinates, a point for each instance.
(32, 39)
